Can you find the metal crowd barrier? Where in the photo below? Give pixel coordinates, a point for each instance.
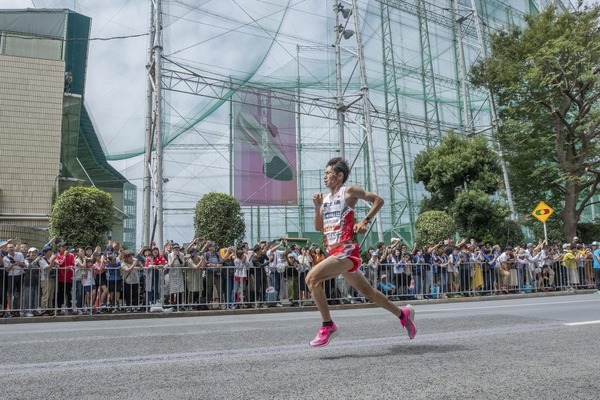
(32, 293)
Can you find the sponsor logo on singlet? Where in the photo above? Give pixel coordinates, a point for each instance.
(338, 218)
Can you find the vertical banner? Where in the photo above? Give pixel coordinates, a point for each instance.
(264, 160)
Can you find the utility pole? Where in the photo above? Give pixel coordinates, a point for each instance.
(338, 29)
(366, 112)
(154, 127)
(147, 180)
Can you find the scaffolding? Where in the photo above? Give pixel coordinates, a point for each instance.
(415, 53)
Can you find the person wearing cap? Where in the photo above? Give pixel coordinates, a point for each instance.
(65, 263)
(334, 216)
(292, 273)
(372, 268)
(31, 283)
(14, 262)
(386, 287)
(47, 280)
(596, 264)
(522, 267)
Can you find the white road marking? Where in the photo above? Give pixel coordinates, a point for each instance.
(581, 323)
(502, 306)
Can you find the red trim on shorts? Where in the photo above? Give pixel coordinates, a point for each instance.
(350, 251)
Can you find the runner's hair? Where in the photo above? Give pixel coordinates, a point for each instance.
(338, 164)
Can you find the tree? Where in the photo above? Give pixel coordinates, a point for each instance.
(478, 217)
(434, 226)
(457, 163)
(546, 81)
(218, 217)
(82, 216)
(461, 174)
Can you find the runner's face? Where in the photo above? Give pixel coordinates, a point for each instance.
(331, 178)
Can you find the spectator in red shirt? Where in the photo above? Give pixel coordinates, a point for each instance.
(65, 263)
(155, 262)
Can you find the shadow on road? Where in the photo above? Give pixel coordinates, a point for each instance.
(418, 349)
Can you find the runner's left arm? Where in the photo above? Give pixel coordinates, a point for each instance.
(359, 193)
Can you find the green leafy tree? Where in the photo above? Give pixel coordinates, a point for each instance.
(219, 217)
(456, 163)
(478, 217)
(461, 174)
(433, 227)
(82, 216)
(546, 81)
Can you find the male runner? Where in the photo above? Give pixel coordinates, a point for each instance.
(334, 216)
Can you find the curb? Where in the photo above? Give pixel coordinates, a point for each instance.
(273, 310)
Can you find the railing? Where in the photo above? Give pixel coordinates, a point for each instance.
(30, 292)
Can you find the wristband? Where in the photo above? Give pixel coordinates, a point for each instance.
(368, 219)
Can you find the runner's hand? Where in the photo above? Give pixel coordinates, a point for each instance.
(318, 199)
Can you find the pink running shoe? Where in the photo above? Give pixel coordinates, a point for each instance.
(324, 336)
(408, 314)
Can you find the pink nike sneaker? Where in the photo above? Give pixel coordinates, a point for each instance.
(324, 336)
(408, 314)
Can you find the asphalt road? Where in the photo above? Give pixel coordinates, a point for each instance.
(528, 348)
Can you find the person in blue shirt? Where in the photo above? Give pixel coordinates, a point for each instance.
(113, 269)
(385, 287)
(596, 254)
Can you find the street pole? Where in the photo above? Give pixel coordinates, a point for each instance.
(157, 61)
(147, 179)
(338, 79)
(367, 114)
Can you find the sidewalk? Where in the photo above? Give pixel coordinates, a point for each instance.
(271, 310)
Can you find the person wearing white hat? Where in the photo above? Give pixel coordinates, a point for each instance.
(385, 287)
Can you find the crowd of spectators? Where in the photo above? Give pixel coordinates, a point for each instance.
(61, 280)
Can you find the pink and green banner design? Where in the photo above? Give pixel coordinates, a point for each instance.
(264, 159)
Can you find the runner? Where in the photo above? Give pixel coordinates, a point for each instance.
(334, 216)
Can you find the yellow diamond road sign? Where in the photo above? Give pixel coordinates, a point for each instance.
(542, 212)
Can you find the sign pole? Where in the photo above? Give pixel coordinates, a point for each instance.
(545, 234)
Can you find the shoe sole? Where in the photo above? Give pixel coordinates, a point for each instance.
(410, 318)
(332, 336)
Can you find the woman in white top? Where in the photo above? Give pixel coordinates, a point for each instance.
(240, 277)
(130, 272)
(88, 283)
